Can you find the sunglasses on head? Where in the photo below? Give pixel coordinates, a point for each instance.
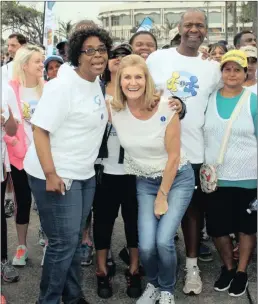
(114, 55)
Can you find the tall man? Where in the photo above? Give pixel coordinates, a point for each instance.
(244, 38)
(182, 72)
(15, 41)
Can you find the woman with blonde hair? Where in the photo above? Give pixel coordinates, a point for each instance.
(164, 177)
(23, 93)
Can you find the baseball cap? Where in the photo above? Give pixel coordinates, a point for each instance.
(53, 58)
(235, 56)
(123, 48)
(250, 51)
(61, 44)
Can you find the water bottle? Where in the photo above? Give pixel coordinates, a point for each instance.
(252, 206)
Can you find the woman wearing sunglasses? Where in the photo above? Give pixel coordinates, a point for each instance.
(68, 128)
(115, 189)
(251, 81)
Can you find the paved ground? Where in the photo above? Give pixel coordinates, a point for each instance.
(26, 290)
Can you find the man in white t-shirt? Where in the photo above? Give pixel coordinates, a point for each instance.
(15, 41)
(182, 72)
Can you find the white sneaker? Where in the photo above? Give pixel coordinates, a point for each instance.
(42, 237)
(193, 282)
(150, 295)
(21, 256)
(166, 298)
(43, 258)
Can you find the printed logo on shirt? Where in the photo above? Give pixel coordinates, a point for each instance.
(97, 100)
(28, 108)
(183, 84)
(163, 118)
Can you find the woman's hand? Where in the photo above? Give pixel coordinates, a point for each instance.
(55, 184)
(2, 120)
(108, 105)
(175, 104)
(160, 205)
(206, 55)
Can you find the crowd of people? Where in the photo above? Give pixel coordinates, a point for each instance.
(168, 135)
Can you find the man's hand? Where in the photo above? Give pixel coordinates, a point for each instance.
(175, 104)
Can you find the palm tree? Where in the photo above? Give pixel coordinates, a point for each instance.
(254, 11)
(169, 26)
(232, 8)
(65, 29)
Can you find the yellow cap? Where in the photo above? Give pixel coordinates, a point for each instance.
(235, 56)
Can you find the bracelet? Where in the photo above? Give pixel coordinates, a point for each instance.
(163, 192)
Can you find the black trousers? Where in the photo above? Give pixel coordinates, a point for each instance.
(115, 191)
(22, 195)
(3, 223)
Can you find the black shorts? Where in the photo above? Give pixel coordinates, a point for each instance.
(226, 211)
(199, 198)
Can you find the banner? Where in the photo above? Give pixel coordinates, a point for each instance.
(146, 25)
(49, 26)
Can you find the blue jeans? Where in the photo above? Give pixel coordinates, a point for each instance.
(63, 219)
(156, 237)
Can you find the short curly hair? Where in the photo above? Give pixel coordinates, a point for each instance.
(77, 39)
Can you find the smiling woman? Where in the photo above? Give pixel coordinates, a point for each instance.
(164, 179)
(143, 43)
(237, 174)
(23, 94)
(69, 126)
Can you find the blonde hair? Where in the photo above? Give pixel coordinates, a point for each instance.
(120, 99)
(22, 57)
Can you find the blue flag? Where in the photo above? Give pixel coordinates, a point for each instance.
(50, 4)
(146, 25)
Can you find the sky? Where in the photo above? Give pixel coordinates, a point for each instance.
(73, 10)
(70, 10)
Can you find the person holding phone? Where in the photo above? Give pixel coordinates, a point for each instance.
(68, 128)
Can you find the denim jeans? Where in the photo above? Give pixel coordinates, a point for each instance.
(156, 236)
(63, 219)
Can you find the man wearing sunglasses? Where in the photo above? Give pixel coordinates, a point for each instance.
(251, 81)
(62, 49)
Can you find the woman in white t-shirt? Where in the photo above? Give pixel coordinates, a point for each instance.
(164, 178)
(23, 94)
(114, 189)
(69, 124)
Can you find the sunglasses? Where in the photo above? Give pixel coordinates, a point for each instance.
(251, 60)
(91, 51)
(117, 55)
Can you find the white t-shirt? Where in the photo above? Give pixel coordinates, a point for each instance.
(144, 140)
(5, 158)
(111, 165)
(74, 113)
(29, 100)
(7, 73)
(193, 80)
(252, 88)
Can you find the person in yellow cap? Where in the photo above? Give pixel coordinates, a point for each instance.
(251, 81)
(237, 175)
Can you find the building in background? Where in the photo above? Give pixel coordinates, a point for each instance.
(122, 20)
